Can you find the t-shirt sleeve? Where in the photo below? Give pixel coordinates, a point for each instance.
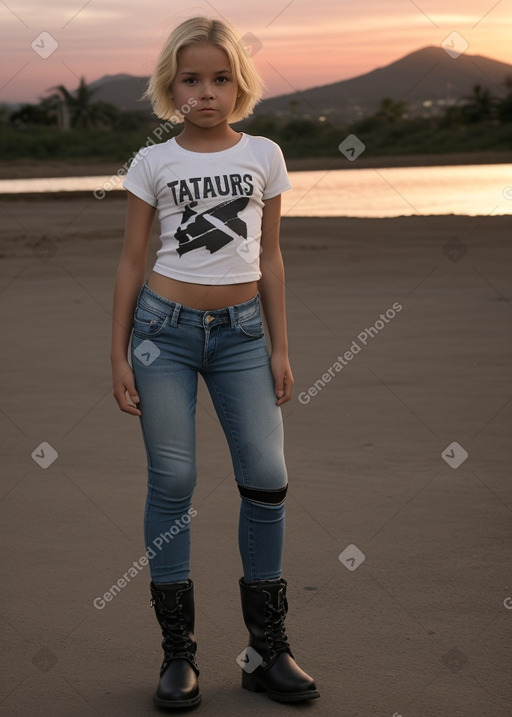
(278, 180)
(139, 180)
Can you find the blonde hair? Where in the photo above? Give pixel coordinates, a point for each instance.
(219, 33)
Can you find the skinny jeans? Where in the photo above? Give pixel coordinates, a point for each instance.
(171, 346)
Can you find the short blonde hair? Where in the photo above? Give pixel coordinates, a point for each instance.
(217, 32)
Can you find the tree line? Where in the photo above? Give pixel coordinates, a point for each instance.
(75, 124)
(78, 109)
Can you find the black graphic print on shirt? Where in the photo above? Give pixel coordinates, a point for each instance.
(213, 228)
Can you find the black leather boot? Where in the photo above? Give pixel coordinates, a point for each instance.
(174, 607)
(264, 608)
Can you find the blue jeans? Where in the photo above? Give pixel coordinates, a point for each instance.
(171, 345)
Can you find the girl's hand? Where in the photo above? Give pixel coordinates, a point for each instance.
(124, 387)
(283, 377)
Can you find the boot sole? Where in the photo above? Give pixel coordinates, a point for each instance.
(253, 684)
(176, 704)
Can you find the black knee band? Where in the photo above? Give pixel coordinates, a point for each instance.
(264, 496)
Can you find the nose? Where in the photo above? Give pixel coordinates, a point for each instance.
(207, 91)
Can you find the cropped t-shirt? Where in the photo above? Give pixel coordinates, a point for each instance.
(210, 206)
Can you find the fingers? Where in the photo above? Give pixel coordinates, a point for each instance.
(126, 395)
(127, 402)
(131, 401)
(283, 389)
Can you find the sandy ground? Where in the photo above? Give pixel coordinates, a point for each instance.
(421, 627)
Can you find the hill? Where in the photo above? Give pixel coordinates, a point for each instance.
(123, 91)
(428, 76)
(426, 80)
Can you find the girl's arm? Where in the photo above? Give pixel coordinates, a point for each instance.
(129, 279)
(272, 291)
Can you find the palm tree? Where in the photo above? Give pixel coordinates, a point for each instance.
(391, 110)
(505, 105)
(480, 105)
(4, 114)
(45, 113)
(292, 107)
(76, 109)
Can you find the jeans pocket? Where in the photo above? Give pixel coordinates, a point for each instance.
(148, 321)
(252, 327)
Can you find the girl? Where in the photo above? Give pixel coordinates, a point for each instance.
(218, 197)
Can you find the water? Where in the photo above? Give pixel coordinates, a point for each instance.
(471, 190)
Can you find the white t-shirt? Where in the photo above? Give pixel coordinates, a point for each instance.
(210, 206)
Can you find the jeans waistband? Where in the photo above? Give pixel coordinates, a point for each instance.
(232, 315)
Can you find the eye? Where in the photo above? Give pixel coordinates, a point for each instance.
(222, 80)
(190, 80)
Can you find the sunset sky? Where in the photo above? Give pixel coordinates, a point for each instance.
(303, 43)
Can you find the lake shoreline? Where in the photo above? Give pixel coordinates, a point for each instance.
(402, 191)
(34, 169)
(28, 222)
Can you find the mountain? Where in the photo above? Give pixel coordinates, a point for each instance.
(110, 78)
(428, 75)
(123, 91)
(426, 80)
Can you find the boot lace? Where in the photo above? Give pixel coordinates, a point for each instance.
(176, 642)
(274, 628)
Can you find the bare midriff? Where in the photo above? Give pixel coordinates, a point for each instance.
(204, 297)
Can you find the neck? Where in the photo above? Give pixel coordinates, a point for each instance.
(207, 139)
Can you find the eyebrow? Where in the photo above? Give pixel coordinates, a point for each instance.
(220, 72)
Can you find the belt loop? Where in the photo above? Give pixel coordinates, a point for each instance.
(232, 316)
(175, 314)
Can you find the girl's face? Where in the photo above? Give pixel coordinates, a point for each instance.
(204, 74)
